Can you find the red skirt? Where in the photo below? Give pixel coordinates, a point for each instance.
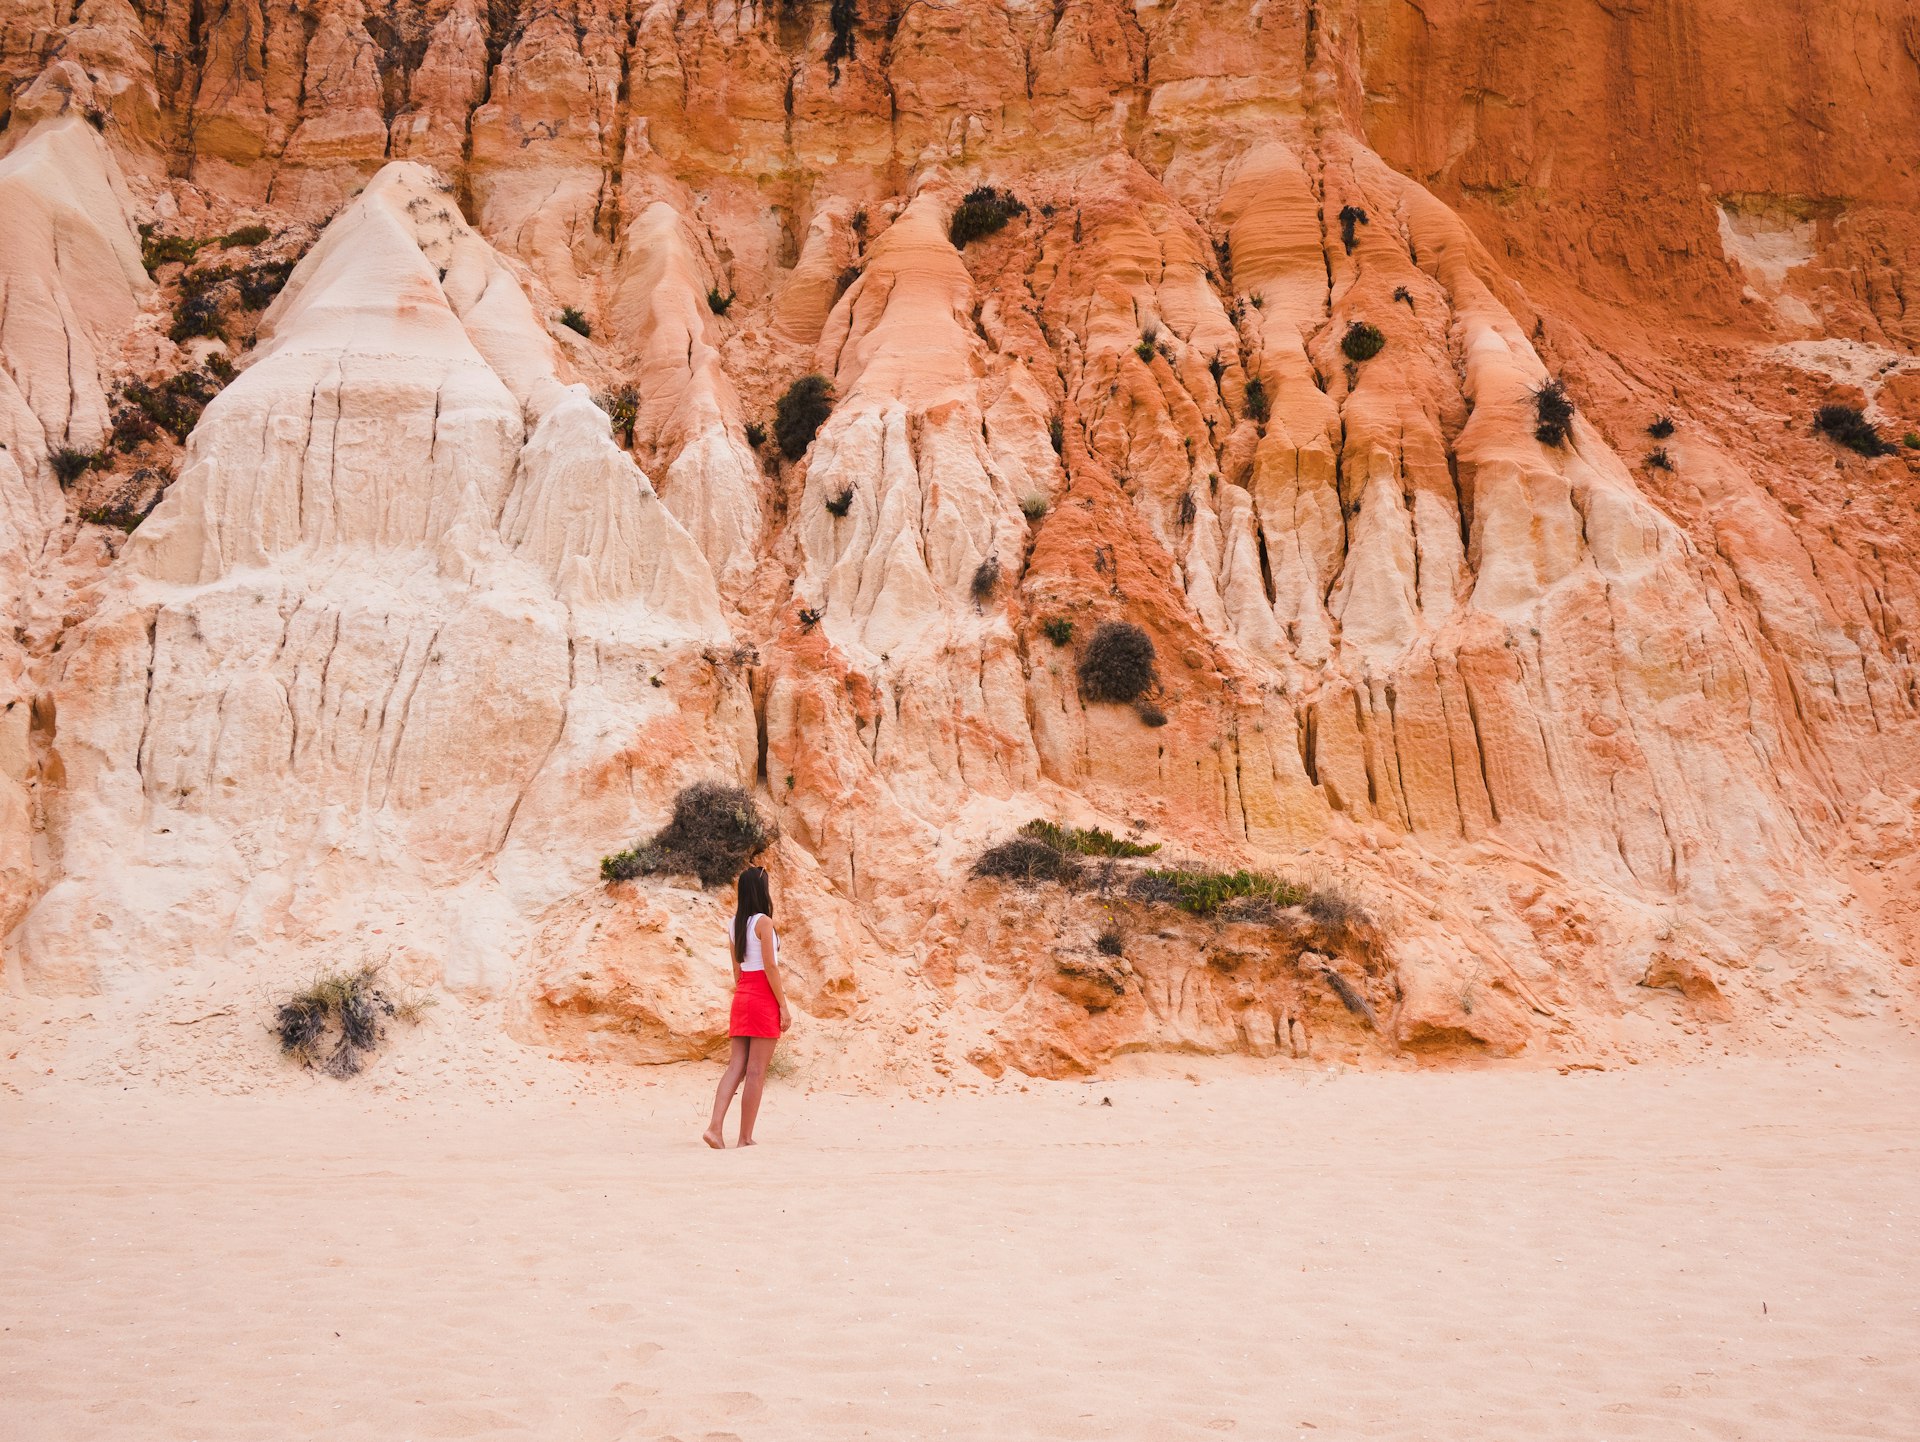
(755, 1012)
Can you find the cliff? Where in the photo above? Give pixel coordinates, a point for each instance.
(389, 525)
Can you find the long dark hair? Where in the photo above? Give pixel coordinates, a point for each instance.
(756, 899)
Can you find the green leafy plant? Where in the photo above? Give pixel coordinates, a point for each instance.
(1144, 349)
(800, 413)
(157, 249)
(983, 212)
(717, 303)
(248, 235)
(1254, 403)
(574, 321)
(1912, 440)
(1117, 664)
(1085, 841)
(1057, 629)
(1362, 342)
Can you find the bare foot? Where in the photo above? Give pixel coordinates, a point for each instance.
(748, 1142)
(713, 1139)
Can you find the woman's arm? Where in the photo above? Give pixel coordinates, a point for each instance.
(763, 928)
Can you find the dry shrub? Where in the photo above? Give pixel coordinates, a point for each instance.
(1117, 665)
(352, 1007)
(715, 831)
(1027, 861)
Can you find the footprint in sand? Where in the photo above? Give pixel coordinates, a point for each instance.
(614, 1311)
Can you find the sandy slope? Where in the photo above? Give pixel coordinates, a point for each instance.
(1726, 1251)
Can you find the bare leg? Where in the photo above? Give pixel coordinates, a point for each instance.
(723, 1094)
(759, 1053)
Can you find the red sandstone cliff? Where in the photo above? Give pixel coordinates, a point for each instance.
(1607, 744)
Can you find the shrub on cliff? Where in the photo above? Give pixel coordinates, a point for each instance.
(1553, 413)
(986, 580)
(984, 211)
(1661, 428)
(714, 832)
(1351, 216)
(1256, 405)
(352, 1007)
(574, 321)
(1084, 841)
(1117, 664)
(69, 464)
(1028, 861)
(1848, 426)
(800, 413)
(199, 315)
(1362, 342)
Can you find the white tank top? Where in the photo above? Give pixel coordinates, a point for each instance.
(753, 961)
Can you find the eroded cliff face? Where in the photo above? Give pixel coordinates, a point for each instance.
(440, 598)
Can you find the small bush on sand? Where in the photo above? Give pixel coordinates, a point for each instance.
(1057, 629)
(1085, 841)
(1553, 413)
(715, 831)
(800, 413)
(1117, 664)
(983, 212)
(1027, 861)
(1850, 428)
(1362, 342)
(574, 321)
(352, 1008)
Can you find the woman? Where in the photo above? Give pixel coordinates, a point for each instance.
(759, 1006)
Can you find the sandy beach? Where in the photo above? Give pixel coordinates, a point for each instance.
(1727, 1250)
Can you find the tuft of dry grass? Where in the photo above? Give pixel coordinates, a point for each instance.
(351, 1008)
